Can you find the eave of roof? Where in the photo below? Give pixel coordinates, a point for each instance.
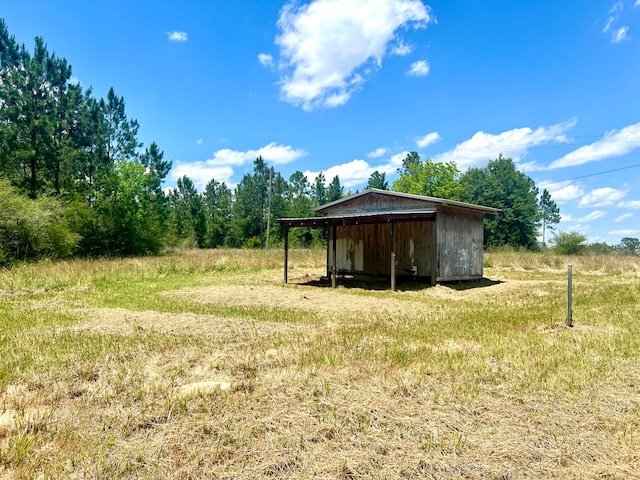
(441, 201)
(360, 218)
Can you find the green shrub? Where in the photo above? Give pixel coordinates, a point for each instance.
(32, 229)
(569, 243)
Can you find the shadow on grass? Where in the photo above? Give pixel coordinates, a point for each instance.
(469, 284)
(403, 284)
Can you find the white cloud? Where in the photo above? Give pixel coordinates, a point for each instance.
(602, 197)
(272, 153)
(278, 154)
(562, 192)
(607, 25)
(624, 232)
(199, 141)
(512, 143)
(578, 227)
(221, 165)
(357, 172)
(265, 59)
(177, 36)
(394, 163)
(593, 216)
(428, 139)
(529, 167)
(620, 34)
(419, 69)
(630, 204)
(401, 49)
(613, 144)
(351, 173)
(324, 44)
(637, 4)
(625, 216)
(566, 217)
(377, 153)
(202, 172)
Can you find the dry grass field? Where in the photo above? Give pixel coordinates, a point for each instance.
(203, 364)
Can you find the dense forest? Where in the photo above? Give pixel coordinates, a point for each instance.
(75, 180)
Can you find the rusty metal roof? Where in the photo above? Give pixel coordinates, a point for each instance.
(411, 196)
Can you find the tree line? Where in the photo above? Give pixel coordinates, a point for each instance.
(499, 185)
(525, 213)
(75, 180)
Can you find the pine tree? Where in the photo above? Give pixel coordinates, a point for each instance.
(335, 190)
(9, 48)
(550, 213)
(120, 133)
(378, 180)
(31, 93)
(319, 192)
(217, 200)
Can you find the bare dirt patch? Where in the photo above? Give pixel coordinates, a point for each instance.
(310, 299)
(126, 322)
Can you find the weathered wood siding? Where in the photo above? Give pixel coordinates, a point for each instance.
(449, 248)
(367, 248)
(460, 237)
(377, 203)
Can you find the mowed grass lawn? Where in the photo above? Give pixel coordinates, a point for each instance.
(203, 364)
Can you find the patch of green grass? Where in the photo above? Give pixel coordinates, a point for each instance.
(367, 382)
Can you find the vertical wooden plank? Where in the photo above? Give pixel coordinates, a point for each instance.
(478, 236)
(439, 250)
(434, 253)
(393, 255)
(334, 255)
(286, 253)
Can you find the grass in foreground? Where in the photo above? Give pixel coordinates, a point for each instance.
(204, 365)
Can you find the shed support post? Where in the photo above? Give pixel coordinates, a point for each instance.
(286, 253)
(393, 255)
(329, 230)
(334, 269)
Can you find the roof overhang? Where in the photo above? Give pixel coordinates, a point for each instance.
(366, 218)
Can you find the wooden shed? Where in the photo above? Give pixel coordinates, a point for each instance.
(378, 232)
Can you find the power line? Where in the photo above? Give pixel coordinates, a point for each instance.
(592, 174)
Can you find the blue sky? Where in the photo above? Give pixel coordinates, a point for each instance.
(349, 86)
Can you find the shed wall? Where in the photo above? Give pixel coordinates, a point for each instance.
(460, 236)
(366, 249)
